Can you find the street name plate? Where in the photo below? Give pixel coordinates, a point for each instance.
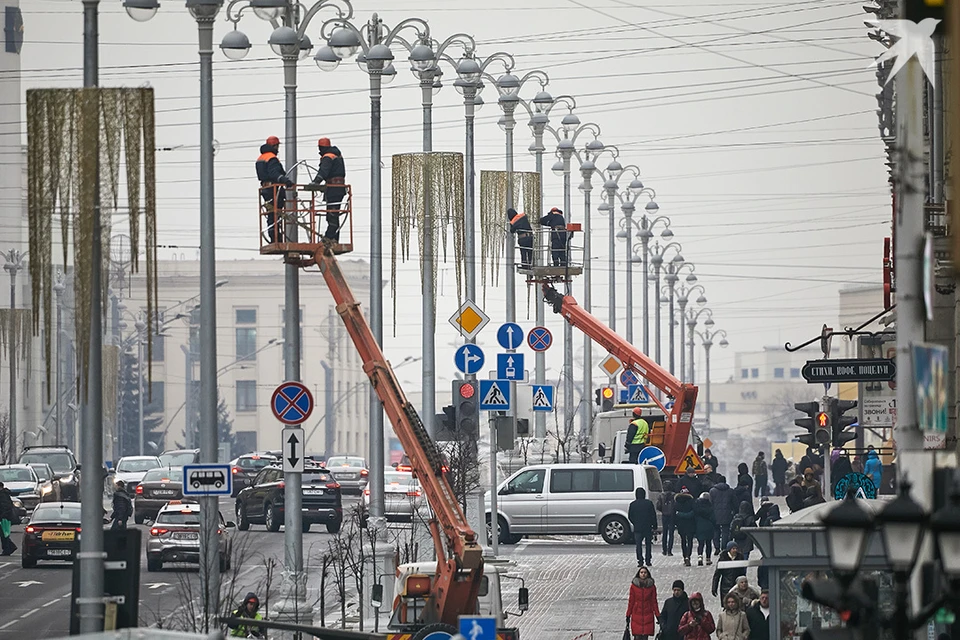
(849, 370)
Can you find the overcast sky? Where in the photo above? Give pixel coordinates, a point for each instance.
(754, 122)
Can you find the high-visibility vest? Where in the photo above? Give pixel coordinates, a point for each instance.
(643, 430)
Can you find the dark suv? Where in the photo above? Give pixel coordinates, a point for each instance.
(262, 501)
(63, 463)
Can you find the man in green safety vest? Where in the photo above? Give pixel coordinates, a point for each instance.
(638, 435)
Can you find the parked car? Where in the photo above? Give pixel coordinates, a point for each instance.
(22, 481)
(175, 537)
(64, 464)
(50, 483)
(245, 469)
(158, 487)
(350, 471)
(51, 533)
(179, 457)
(263, 501)
(403, 496)
(572, 499)
(131, 469)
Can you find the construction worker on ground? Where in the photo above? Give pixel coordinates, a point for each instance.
(558, 237)
(520, 225)
(271, 175)
(332, 174)
(638, 435)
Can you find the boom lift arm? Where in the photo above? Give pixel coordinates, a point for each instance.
(459, 554)
(680, 416)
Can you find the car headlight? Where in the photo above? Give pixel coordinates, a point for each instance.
(17, 503)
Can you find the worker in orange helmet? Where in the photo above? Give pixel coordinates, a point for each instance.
(332, 174)
(271, 175)
(638, 435)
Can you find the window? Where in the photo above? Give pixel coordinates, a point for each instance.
(744, 373)
(778, 372)
(246, 343)
(530, 481)
(246, 316)
(572, 481)
(723, 407)
(794, 373)
(619, 480)
(153, 400)
(246, 395)
(654, 483)
(754, 373)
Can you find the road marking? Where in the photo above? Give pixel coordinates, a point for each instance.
(27, 583)
(9, 624)
(157, 585)
(29, 613)
(54, 601)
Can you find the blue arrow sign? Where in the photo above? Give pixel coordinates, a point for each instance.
(653, 456)
(494, 395)
(469, 358)
(637, 394)
(478, 628)
(510, 335)
(543, 397)
(510, 366)
(628, 378)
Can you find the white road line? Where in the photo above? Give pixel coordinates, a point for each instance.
(54, 601)
(11, 623)
(29, 613)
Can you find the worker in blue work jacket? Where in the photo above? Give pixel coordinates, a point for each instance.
(558, 236)
(638, 435)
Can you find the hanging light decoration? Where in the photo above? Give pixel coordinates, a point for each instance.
(493, 211)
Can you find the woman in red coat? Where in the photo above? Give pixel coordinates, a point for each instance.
(696, 623)
(642, 609)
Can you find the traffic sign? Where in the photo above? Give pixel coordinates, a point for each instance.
(469, 319)
(469, 358)
(543, 397)
(691, 460)
(478, 627)
(654, 456)
(293, 457)
(510, 335)
(849, 370)
(628, 378)
(610, 365)
(292, 402)
(494, 395)
(207, 480)
(539, 339)
(637, 394)
(510, 366)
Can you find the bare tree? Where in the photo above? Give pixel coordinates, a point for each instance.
(337, 550)
(463, 467)
(8, 457)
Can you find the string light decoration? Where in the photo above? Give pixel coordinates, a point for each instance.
(493, 216)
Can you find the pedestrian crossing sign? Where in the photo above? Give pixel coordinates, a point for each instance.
(543, 397)
(494, 395)
(637, 394)
(691, 460)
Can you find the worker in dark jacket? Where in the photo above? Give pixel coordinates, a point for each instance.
(710, 460)
(520, 225)
(332, 174)
(558, 238)
(271, 174)
(643, 519)
(672, 610)
(691, 483)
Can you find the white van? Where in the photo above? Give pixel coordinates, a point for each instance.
(572, 499)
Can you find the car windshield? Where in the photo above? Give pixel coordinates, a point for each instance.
(17, 475)
(179, 517)
(135, 465)
(346, 462)
(254, 463)
(164, 475)
(59, 462)
(177, 458)
(42, 471)
(57, 513)
(399, 478)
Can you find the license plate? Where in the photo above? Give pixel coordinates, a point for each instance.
(165, 492)
(313, 492)
(58, 552)
(58, 535)
(186, 536)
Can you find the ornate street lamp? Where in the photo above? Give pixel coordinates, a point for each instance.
(848, 529)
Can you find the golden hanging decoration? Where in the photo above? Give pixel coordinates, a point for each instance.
(73, 156)
(423, 182)
(15, 333)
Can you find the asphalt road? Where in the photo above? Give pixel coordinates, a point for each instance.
(36, 602)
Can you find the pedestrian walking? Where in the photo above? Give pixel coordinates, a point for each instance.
(725, 578)
(710, 460)
(744, 518)
(732, 622)
(7, 546)
(643, 519)
(638, 435)
(768, 513)
(691, 483)
(724, 507)
(642, 607)
(272, 180)
(333, 175)
(873, 467)
(743, 493)
(841, 467)
(760, 475)
(672, 612)
(667, 506)
(795, 496)
(520, 226)
(706, 524)
(778, 468)
(686, 524)
(747, 594)
(122, 507)
(558, 237)
(710, 478)
(743, 472)
(758, 617)
(697, 623)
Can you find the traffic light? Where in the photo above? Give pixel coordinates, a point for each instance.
(604, 398)
(449, 417)
(466, 414)
(817, 423)
(840, 422)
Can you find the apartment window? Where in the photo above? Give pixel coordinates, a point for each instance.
(246, 395)
(246, 343)
(778, 372)
(723, 407)
(754, 373)
(153, 398)
(283, 323)
(744, 373)
(794, 373)
(246, 316)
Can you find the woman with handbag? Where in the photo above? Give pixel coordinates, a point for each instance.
(642, 607)
(732, 622)
(697, 623)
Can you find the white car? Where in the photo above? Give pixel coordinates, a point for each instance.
(131, 469)
(403, 495)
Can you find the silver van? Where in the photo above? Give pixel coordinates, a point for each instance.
(572, 499)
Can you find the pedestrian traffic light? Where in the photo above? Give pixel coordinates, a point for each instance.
(604, 398)
(840, 422)
(817, 423)
(466, 413)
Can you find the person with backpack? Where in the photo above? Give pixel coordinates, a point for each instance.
(743, 519)
(667, 506)
(686, 522)
(732, 622)
(759, 475)
(724, 507)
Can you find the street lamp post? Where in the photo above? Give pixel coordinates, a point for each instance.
(141, 328)
(14, 264)
(683, 297)
(656, 261)
(693, 317)
(706, 339)
(672, 277)
(58, 288)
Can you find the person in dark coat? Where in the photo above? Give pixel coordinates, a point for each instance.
(686, 521)
(667, 506)
(711, 478)
(744, 518)
(743, 471)
(520, 225)
(7, 516)
(333, 174)
(706, 524)
(778, 467)
(742, 493)
(270, 173)
(643, 519)
(840, 468)
(642, 607)
(710, 460)
(768, 513)
(122, 507)
(726, 579)
(795, 496)
(672, 610)
(814, 495)
(558, 238)
(760, 474)
(691, 483)
(758, 617)
(724, 507)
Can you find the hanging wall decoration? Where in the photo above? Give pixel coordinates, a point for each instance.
(427, 182)
(75, 138)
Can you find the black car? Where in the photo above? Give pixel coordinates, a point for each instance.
(262, 501)
(158, 487)
(64, 464)
(245, 469)
(52, 533)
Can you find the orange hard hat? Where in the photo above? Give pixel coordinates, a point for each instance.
(637, 411)
(273, 141)
(323, 142)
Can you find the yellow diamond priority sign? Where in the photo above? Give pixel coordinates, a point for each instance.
(610, 365)
(469, 319)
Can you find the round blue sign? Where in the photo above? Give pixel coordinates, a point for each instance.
(469, 358)
(292, 403)
(539, 338)
(628, 378)
(510, 335)
(653, 456)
